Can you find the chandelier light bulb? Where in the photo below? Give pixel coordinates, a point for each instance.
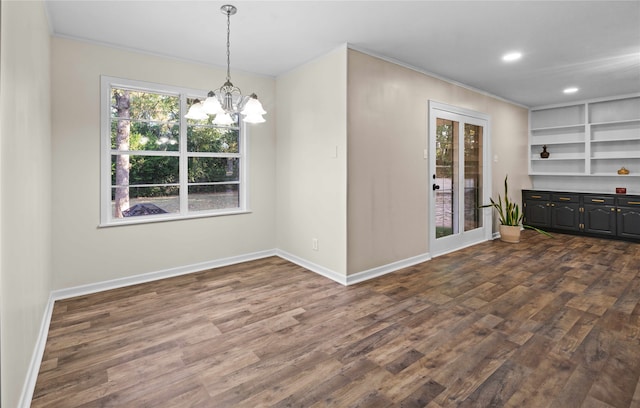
(196, 112)
(253, 106)
(223, 119)
(211, 106)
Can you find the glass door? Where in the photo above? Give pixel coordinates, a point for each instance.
(458, 177)
(445, 177)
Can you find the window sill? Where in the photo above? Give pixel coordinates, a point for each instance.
(169, 217)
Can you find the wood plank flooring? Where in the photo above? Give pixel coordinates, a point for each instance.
(543, 323)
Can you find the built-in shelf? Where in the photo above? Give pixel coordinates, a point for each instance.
(594, 138)
(558, 158)
(614, 139)
(614, 155)
(615, 174)
(559, 174)
(617, 122)
(556, 142)
(559, 128)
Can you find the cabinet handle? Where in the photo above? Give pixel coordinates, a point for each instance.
(536, 196)
(593, 200)
(633, 202)
(565, 199)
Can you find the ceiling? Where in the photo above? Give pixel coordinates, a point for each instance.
(592, 45)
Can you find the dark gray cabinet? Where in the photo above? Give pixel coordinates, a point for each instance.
(611, 215)
(536, 208)
(628, 217)
(599, 214)
(565, 211)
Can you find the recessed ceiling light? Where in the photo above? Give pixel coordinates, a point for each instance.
(512, 56)
(570, 90)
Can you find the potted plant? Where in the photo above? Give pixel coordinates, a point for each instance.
(510, 217)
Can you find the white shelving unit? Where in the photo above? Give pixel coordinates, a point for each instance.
(594, 138)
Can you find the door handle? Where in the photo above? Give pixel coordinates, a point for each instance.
(435, 187)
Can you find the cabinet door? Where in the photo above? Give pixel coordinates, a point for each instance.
(629, 222)
(536, 208)
(536, 213)
(565, 216)
(600, 219)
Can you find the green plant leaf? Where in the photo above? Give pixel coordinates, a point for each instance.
(509, 212)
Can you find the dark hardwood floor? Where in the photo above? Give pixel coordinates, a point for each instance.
(543, 323)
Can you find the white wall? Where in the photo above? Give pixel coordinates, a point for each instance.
(84, 253)
(25, 189)
(311, 161)
(387, 173)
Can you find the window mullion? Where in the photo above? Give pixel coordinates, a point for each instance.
(145, 153)
(184, 164)
(244, 153)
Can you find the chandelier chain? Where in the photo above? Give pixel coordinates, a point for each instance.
(228, 46)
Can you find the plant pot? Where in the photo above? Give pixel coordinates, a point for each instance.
(510, 233)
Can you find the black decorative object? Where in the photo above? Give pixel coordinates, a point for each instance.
(544, 153)
(143, 209)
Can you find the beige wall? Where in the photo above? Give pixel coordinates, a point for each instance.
(25, 189)
(311, 161)
(84, 253)
(387, 173)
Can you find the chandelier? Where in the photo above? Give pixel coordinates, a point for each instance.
(227, 101)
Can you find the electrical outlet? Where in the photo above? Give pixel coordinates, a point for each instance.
(314, 244)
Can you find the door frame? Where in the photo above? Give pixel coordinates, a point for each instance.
(487, 221)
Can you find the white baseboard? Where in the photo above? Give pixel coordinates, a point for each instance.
(385, 269)
(357, 277)
(29, 385)
(157, 275)
(320, 270)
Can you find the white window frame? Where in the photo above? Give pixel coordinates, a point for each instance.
(106, 214)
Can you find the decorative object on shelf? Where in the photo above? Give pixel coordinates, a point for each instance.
(621, 190)
(544, 153)
(510, 217)
(623, 170)
(227, 100)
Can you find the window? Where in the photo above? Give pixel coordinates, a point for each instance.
(158, 165)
